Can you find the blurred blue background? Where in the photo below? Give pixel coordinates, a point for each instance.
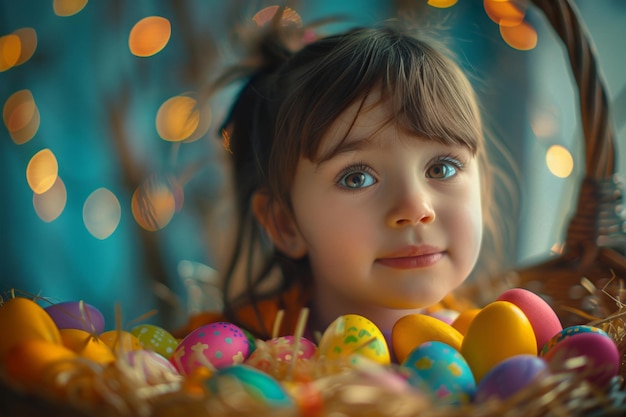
(94, 105)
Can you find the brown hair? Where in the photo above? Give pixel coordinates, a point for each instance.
(287, 106)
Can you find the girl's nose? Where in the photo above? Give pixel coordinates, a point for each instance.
(410, 207)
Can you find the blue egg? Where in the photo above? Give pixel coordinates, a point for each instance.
(257, 384)
(509, 377)
(443, 371)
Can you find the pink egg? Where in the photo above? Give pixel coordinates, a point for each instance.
(213, 346)
(284, 348)
(76, 315)
(602, 358)
(542, 318)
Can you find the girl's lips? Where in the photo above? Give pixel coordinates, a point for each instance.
(412, 257)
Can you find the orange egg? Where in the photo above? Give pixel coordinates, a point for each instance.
(414, 329)
(120, 341)
(87, 345)
(31, 362)
(23, 319)
(462, 322)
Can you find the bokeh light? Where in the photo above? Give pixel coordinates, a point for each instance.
(560, 161)
(544, 121)
(149, 36)
(66, 8)
(522, 37)
(153, 204)
(442, 4)
(289, 17)
(10, 50)
(181, 118)
(21, 116)
(42, 171)
(50, 204)
(102, 213)
(28, 40)
(504, 12)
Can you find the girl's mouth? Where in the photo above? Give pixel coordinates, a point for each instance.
(412, 257)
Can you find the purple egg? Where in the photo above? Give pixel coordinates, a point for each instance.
(509, 377)
(77, 315)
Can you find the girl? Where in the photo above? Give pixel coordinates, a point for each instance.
(358, 166)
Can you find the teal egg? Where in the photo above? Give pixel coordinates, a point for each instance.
(443, 371)
(257, 384)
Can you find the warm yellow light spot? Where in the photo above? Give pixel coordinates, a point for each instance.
(522, 36)
(265, 15)
(178, 118)
(10, 49)
(504, 12)
(442, 4)
(42, 171)
(557, 248)
(68, 7)
(560, 161)
(21, 116)
(50, 205)
(149, 36)
(102, 213)
(28, 38)
(153, 204)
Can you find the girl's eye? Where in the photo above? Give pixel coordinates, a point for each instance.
(355, 179)
(443, 169)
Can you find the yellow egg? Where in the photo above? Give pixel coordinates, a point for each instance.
(120, 341)
(499, 331)
(23, 319)
(351, 336)
(462, 322)
(87, 345)
(32, 362)
(414, 329)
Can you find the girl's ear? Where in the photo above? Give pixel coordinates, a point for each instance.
(279, 224)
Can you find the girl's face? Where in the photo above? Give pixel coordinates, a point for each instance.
(391, 220)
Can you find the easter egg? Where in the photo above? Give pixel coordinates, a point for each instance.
(414, 329)
(463, 320)
(154, 368)
(257, 384)
(32, 362)
(283, 348)
(87, 345)
(600, 353)
(499, 331)
(23, 319)
(444, 371)
(567, 332)
(77, 315)
(120, 341)
(542, 317)
(214, 346)
(510, 376)
(353, 336)
(445, 314)
(155, 338)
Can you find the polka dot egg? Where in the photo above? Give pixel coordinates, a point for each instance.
(212, 346)
(156, 339)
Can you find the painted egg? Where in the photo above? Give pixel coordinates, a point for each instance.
(510, 376)
(353, 336)
(23, 319)
(213, 346)
(283, 348)
(77, 315)
(601, 356)
(567, 332)
(499, 331)
(462, 322)
(120, 341)
(156, 339)
(87, 345)
(443, 371)
(154, 368)
(35, 361)
(446, 315)
(414, 329)
(257, 384)
(542, 317)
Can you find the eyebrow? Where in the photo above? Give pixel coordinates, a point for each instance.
(346, 145)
